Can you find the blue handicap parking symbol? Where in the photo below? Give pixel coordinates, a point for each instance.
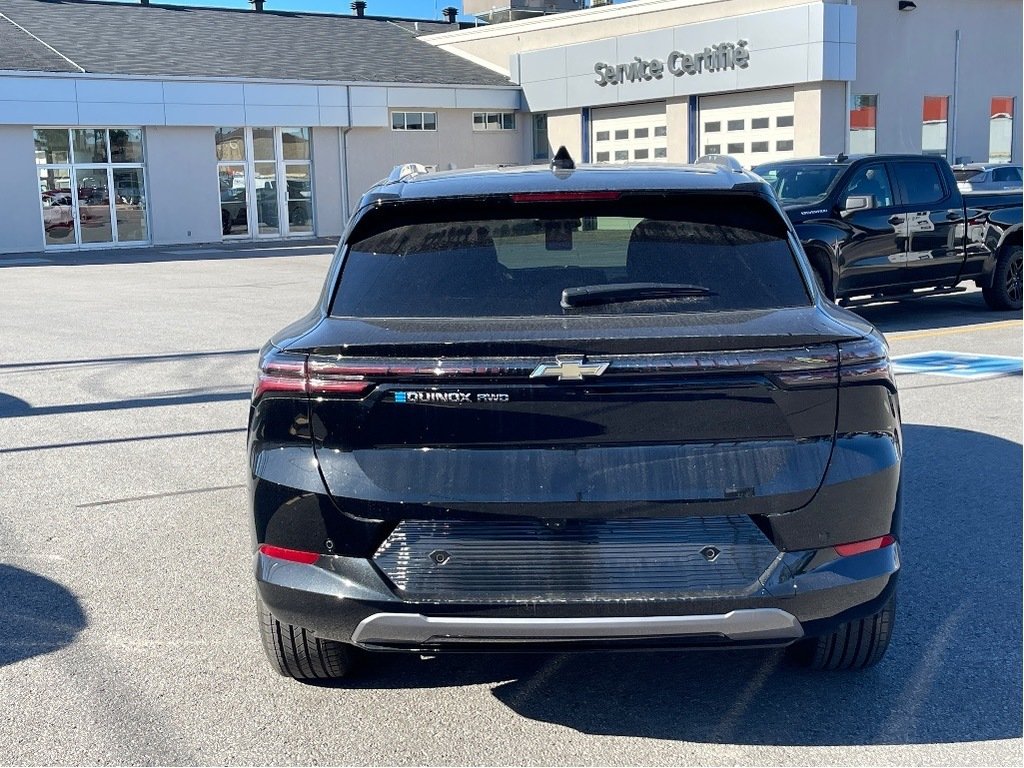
(962, 365)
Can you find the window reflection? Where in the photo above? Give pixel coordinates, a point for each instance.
(295, 143)
(94, 205)
(300, 198)
(934, 122)
(130, 204)
(263, 144)
(58, 206)
(52, 145)
(265, 191)
(230, 143)
(863, 124)
(1000, 129)
(126, 145)
(89, 145)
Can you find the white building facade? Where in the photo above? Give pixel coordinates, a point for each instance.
(100, 159)
(766, 79)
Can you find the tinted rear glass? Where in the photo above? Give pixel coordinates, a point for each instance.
(517, 261)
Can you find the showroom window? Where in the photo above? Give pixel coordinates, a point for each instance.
(934, 125)
(1000, 129)
(494, 121)
(863, 124)
(541, 149)
(414, 121)
(92, 185)
(265, 176)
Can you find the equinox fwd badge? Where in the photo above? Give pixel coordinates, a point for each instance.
(569, 368)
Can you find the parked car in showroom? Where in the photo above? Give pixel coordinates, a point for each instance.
(565, 409)
(885, 227)
(979, 177)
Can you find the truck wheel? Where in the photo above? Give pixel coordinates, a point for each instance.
(298, 653)
(855, 645)
(1007, 289)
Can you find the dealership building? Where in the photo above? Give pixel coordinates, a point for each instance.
(138, 123)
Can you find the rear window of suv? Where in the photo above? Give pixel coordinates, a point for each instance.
(661, 256)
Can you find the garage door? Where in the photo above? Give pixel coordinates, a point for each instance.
(637, 132)
(753, 126)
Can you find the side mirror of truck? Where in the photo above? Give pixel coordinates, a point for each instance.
(857, 203)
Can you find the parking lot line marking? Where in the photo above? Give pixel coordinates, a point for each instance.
(901, 335)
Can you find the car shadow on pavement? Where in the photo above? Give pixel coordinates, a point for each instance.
(37, 615)
(929, 314)
(952, 673)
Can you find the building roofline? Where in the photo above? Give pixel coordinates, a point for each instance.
(265, 12)
(254, 80)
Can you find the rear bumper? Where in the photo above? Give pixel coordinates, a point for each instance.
(415, 629)
(806, 593)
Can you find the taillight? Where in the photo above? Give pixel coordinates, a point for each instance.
(281, 372)
(307, 375)
(293, 555)
(865, 361)
(859, 547)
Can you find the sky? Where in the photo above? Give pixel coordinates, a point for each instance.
(413, 9)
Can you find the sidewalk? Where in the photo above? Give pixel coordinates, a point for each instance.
(181, 252)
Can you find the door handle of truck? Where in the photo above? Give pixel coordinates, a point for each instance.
(894, 220)
(954, 216)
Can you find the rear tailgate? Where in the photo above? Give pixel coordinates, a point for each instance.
(743, 429)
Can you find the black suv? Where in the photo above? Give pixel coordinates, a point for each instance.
(573, 408)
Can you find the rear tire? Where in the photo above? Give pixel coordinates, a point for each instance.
(855, 645)
(1007, 288)
(821, 267)
(297, 653)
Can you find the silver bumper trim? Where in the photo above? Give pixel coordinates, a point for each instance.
(415, 628)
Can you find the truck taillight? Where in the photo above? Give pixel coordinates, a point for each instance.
(290, 372)
(865, 361)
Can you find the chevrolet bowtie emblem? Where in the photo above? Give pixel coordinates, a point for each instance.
(569, 368)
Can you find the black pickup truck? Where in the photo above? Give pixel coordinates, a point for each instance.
(894, 226)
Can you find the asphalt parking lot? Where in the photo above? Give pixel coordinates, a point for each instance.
(127, 625)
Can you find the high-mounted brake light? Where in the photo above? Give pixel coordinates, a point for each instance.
(564, 197)
(292, 555)
(859, 547)
(306, 374)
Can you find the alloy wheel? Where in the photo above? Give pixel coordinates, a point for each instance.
(1014, 279)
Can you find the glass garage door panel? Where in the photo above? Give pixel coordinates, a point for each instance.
(58, 206)
(94, 215)
(130, 205)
